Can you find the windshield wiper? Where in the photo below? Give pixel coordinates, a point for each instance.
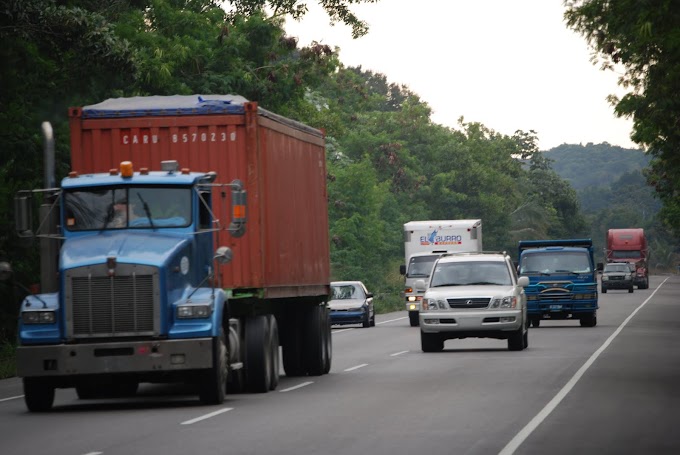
(534, 272)
(147, 211)
(566, 271)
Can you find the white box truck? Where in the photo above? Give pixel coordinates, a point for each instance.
(424, 242)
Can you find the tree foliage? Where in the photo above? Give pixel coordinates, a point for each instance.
(642, 38)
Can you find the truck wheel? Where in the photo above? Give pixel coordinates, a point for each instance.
(604, 290)
(292, 344)
(258, 360)
(431, 342)
(328, 343)
(516, 341)
(630, 289)
(213, 384)
(274, 352)
(589, 320)
(535, 322)
(38, 394)
(316, 335)
(413, 318)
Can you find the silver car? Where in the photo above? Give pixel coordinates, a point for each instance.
(474, 295)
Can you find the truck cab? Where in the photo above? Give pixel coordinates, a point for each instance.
(562, 280)
(136, 299)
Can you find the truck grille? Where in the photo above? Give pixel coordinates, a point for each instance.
(123, 305)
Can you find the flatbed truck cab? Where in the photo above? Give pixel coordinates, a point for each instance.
(562, 280)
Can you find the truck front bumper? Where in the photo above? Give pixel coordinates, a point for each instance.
(118, 357)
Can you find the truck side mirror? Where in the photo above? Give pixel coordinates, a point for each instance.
(402, 269)
(223, 255)
(237, 227)
(23, 214)
(5, 271)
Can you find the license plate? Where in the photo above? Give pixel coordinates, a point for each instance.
(555, 307)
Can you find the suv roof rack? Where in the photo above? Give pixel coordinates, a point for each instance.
(470, 253)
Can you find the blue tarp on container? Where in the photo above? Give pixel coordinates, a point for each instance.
(144, 106)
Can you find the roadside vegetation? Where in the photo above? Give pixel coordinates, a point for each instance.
(387, 162)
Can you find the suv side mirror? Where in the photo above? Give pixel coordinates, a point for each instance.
(523, 281)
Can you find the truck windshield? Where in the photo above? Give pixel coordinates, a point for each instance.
(555, 262)
(622, 254)
(421, 266)
(127, 207)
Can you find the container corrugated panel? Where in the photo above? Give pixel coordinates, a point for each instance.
(285, 250)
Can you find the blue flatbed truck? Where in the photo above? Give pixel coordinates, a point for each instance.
(562, 280)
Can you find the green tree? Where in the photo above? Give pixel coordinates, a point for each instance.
(642, 38)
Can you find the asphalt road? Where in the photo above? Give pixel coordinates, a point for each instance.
(611, 389)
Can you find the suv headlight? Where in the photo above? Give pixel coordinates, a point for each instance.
(434, 304)
(38, 317)
(504, 302)
(605, 277)
(194, 311)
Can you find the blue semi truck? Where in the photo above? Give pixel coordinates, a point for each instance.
(562, 280)
(152, 272)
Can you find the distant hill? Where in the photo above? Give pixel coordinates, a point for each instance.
(594, 164)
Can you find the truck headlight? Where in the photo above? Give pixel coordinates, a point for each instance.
(38, 317)
(194, 311)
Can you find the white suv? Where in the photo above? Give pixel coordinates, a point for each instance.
(474, 295)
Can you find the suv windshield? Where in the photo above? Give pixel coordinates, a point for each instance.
(617, 268)
(470, 273)
(127, 207)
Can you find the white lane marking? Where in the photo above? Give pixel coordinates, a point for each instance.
(525, 432)
(398, 353)
(357, 367)
(342, 330)
(297, 386)
(93, 453)
(11, 398)
(207, 416)
(391, 320)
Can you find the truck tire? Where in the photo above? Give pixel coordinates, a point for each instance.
(258, 362)
(38, 394)
(316, 340)
(413, 318)
(213, 383)
(328, 343)
(292, 344)
(630, 290)
(589, 320)
(431, 342)
(274, 352)
(604, 290)
(535, 322)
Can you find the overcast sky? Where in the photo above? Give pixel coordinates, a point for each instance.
(508, 64)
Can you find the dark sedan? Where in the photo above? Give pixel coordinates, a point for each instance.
(351, 303)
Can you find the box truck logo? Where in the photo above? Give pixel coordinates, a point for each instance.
(433, 239)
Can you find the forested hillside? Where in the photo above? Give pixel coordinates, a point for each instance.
(595, 164)
(613, 193)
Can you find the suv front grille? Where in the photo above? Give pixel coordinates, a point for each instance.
(123, 305)
(476, 302)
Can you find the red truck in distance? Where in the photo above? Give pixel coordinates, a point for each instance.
(630, 245)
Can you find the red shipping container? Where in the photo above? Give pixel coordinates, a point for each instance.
(285, 250)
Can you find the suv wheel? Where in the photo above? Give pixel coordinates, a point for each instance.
(516, 341)
(431, 342)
